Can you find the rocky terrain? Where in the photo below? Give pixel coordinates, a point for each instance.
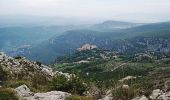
(18, 65)
(19, 68)
(25, 94)
(114, 76)
(22, 69)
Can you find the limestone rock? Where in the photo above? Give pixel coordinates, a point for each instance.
(24, 91)
(24, 66)
(160, 95)
(108, 95)
(107, 98)
(127, 78)
(53, 95)
(87, 47)
(155, 94)
(125, 86)
(141, 98)
(25, 94)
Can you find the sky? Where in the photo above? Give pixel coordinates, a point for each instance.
(126, 10)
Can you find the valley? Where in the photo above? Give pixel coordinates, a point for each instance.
(108, 61)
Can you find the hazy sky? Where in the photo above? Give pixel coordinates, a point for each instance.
(127, 10)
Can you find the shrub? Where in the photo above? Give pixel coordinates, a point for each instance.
(38, 63)
(8, 94)
(17, 57)
(124, 94)
(39, 79)
(16, 83)
(74, 85)
(3, 75)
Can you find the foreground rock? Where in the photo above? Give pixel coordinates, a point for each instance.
(108, 96)
(141, 98)
(25, 94)
(160, 95)
(24, 91)
(53, 95)
(157, 94)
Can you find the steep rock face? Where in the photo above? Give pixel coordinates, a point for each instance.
(154, 44)
(25, 93)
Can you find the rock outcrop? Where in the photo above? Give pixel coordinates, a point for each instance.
(141, 98)
(127, 78)
(160, 95)
(25, 94)
(87, 47)
(157, 94)
(20, 65)
(108, 96)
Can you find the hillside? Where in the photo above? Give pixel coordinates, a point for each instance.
(128, 41)
(90, 64)
(14, 38)
(21, 79)
(102, 74)
(126, 77)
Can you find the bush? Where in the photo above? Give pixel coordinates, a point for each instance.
(18, 57)
(8, 94)
(39, 79)
(38, 63)
(124, 94)
(3, 75)
(74, 85)
(16, 83)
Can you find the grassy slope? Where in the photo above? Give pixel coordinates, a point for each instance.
(106, 73)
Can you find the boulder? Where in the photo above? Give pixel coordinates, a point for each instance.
(24, 91)
(164, 96)
(125, 86)
(25, 94)
(127, 78)
(141, 98)
(53, 95)
(160, 95)
(155, 94)
(107, 98)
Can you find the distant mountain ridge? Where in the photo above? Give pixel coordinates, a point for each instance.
(128, 41)
(115, 25)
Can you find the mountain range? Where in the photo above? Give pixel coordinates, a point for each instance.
(46, 43)
(113, 60)
(138, 39)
